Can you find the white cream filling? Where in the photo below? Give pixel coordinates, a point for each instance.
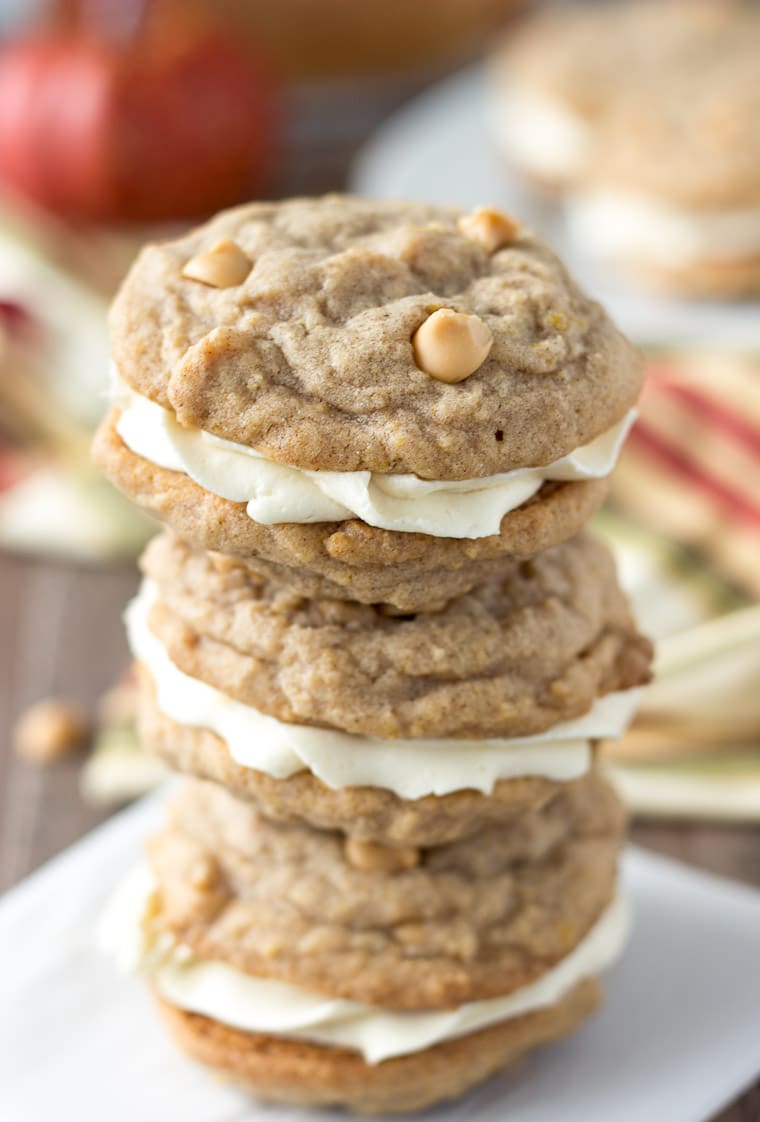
(613, 224)
(216, 990)
(409, 768)
(539, 134)
(274, 492)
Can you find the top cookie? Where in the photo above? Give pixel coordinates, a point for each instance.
(575, 55)
(583, 55)
(306, 352)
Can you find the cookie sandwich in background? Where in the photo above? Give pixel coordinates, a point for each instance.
(643, 117)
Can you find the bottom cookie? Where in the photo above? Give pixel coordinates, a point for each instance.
(296, 1072)
(348, 560)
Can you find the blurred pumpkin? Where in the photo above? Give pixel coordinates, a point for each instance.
(174, 121)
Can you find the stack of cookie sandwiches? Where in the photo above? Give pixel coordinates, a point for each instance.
(379, 640)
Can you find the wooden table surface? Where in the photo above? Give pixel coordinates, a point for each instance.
(62, 635)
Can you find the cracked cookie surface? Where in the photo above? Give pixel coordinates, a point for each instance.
(475, 919)
(528, 648)
(310, 361)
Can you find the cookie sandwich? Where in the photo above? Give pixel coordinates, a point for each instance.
(644, 117)
(673, 190)
(551, 80)
(376, 401)
(394, 729)
(313, 969)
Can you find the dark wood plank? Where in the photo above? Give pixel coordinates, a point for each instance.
(61, 636)
(729, 851)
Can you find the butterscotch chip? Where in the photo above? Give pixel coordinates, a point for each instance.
(50, 730)
(450, 346)
(204, 874)
(223, 266)
(118, 705)
(380, 858)
(221, 561)
(490, 228)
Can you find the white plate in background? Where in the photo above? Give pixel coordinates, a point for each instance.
(437, 149)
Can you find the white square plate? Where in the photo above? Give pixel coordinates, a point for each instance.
(678, 1036)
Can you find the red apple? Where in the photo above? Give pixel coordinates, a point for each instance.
(169, 126)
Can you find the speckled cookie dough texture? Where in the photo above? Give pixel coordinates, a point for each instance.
(475, 919)
(309, 359)
(523, 651)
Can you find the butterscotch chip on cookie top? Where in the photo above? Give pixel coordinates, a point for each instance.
(309, 359)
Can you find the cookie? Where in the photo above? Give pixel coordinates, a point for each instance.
(459, 923)
(551, 80)
(348, 560)
(515, 656)
(554, 80)
(734, 279)
(647, 114)
(297, 1072)
(353, 378)
(673, 192)
(309, 358)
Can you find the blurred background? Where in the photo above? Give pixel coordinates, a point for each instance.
(125, 120)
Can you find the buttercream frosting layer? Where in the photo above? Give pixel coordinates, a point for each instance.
(543, 136)
(410, 768)
(614, 223)
(276, 493)
(262, 1005)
